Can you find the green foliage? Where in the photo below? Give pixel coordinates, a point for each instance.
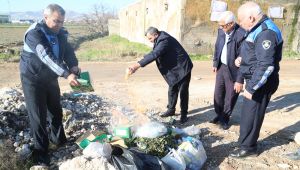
(200, 57)
(156, 146)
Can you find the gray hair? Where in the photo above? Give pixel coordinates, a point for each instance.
(54, 8)
(251, 9)
(227, 17)
(152, 31)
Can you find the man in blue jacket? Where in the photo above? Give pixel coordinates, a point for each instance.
(46, 55)
(228, 82)
(259, 64)
(174, 65)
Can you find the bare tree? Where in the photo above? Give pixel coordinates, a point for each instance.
(97, 20)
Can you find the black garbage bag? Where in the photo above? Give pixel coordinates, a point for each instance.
(132, 159)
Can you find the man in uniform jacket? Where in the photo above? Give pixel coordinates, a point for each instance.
(228, 82)
(46, 55)
(259, 64)
(174, 65)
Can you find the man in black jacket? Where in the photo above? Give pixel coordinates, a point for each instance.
(228, 82)
(175, 66)
(259, 64)
(46, 55)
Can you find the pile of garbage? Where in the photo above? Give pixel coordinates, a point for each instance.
(96, 141)
(81, 112)
(149, 146)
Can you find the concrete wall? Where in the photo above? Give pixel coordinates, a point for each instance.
(164, 14)
(114, 26)
(189, 21)
(4, 18)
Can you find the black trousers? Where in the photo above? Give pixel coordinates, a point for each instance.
(224, 96)
(41, 98)
(253, 113)
(181, 87)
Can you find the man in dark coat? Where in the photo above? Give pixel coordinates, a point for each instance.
(228, 82)
(46, 55)
(174, 65)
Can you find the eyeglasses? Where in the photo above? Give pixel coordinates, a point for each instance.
(56, 21)
(225, 25)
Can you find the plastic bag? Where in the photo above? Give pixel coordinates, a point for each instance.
(192, 130)
(132, 159)
(96, 149)
(193, 153)
(174, 160)
(151, 130)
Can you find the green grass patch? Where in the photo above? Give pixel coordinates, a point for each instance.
(288, 54)
(200, 57)
(9, 58)
(111, 48)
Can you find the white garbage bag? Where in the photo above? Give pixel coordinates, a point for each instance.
(96, 149)
(151, 130)
(174, 160)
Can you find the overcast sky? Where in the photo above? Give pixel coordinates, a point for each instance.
(82, 6)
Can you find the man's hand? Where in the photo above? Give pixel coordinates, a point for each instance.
(134, 68)
(72, 80)
(214, 69)
(75, 70)
(247, 94)
(238, 87)
(238, 61)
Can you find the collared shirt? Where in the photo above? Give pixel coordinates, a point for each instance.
(53, 40)
(224, 51)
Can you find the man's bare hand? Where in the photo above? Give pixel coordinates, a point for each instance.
(238, 61)
(214, 69)
(238, 87)
(247, 94)
(134, 68)
(72, 79)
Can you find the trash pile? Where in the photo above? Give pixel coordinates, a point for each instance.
(81, 112)
(96, 141)
(148, 146)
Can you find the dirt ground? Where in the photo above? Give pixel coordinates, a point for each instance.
(146, 91)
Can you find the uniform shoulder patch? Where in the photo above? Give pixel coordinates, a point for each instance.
(266, 44)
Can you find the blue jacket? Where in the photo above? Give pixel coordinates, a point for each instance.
(233, 51)
(261, 54)
(171, 59)
(39, 60)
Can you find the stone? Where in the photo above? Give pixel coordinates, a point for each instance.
(297, 138)
(283, 166)
(39, 167)
(16, 144)
(85, 163)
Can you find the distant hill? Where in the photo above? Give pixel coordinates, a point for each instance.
(38, 15)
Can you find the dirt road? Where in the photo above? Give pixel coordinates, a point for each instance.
(146, 91)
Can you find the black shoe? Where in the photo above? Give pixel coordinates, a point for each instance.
(241, 153)
(168, 113)
(224, 125)
(226, 118)
(39, 158)
(183, 119)
(215, 120)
